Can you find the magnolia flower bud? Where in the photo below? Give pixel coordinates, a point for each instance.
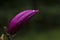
(19, 20)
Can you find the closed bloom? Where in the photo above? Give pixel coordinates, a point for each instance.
(19, 20)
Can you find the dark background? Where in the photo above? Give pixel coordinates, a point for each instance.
(43, 26)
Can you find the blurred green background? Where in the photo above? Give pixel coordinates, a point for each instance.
(43, 26)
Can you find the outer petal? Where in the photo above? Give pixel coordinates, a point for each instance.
(19, 20)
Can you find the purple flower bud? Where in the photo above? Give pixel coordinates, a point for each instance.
(19, 20)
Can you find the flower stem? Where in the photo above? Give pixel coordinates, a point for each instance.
(6, 36)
